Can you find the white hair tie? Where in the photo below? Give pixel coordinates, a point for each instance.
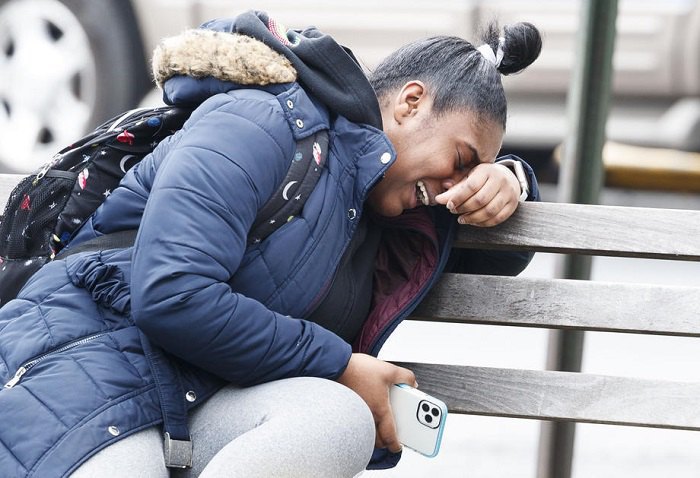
(488, 53)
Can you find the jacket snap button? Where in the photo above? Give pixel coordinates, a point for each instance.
(114, 431)
(300, 123)
(352, 214)
(386, 157)
(191, 396)
(290, 104)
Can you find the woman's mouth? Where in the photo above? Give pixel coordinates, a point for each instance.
(422, 193)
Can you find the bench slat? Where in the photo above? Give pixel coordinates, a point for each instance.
(595, 230)
(563, 304)
(549, 395)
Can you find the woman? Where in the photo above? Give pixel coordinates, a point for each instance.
(257, 359)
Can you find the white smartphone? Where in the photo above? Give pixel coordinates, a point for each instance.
(420, 419)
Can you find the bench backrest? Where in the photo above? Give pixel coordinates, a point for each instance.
(572, 304)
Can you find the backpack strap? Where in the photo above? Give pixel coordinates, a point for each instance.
(302, 176)
(177, 446)
(114, 240)
(285, 203)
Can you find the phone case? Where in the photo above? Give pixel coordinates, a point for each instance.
(420, 419)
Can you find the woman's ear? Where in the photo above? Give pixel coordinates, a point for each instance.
(409, 99)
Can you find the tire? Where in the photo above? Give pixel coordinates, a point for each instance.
(67, 66)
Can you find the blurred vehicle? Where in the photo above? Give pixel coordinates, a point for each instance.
(67, 65)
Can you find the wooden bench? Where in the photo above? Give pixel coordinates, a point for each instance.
(584, 305)
(566, 304)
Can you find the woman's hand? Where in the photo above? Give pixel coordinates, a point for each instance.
(487, 196)
(371, 379)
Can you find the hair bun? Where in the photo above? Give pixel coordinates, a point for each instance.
(522, 45)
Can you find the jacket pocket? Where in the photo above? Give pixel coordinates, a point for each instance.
(27, 366)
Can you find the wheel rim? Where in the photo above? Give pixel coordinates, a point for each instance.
(48, 85)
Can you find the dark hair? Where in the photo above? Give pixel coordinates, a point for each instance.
(460, 77)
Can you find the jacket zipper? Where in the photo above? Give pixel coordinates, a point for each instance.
(23, 369)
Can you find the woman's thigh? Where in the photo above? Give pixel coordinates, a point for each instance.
(295, 427)
(298, 427)
(138, 455)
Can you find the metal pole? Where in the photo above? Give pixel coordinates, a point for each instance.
(580, 181)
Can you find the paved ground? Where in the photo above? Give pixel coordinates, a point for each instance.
(484, 447)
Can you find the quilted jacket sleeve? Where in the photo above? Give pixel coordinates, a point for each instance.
(192, 237)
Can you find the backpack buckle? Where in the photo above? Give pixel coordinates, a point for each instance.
(178, 453)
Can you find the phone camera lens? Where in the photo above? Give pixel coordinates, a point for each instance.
(435, 412)
(425, 407)
(428, 418)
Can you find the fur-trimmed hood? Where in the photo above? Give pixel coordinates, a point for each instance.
(253, 49)
(224, 56)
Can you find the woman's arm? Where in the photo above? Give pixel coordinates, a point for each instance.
(191, 240)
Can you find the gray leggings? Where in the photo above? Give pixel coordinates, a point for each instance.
(298, 427)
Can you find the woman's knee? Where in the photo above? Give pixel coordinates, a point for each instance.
(337, 405)
(339, 421)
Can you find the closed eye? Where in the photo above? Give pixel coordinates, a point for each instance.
(475, 155)
(460, 162)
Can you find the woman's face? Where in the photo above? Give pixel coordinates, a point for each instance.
(433, 153)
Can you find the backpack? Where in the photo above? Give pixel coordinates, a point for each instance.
(46, 208)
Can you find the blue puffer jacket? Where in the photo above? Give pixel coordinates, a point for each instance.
(104, 344)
